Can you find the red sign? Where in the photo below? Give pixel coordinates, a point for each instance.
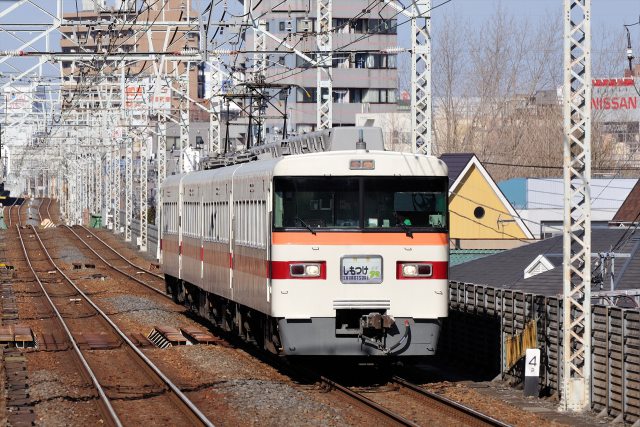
(615, 103)
(612, 82)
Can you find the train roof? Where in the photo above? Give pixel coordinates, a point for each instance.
(387, 163)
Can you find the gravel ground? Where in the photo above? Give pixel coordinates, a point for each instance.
(3, 397)
(230, 386)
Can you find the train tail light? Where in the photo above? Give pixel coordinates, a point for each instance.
(413, 270)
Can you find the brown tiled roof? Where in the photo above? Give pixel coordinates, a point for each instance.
(629, 211)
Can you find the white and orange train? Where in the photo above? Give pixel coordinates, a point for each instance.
(341, 252)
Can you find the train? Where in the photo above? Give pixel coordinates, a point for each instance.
(324, 245)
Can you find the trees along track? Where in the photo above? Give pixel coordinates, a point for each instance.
(155, 277)
(190, 413)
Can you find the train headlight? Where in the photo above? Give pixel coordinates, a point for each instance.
(409, 270)
(414, 270)
(312, 270)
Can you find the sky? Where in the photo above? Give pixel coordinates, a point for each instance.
(608, 16)
(612, 13)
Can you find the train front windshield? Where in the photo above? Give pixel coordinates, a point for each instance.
(357, 203)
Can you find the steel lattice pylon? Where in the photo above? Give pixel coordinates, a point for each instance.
(184, 117)
(576, 373)
(421, 77)
(214, 115)
(117, 188)
(162, 173)
(324, 91)
(128, 204)
(144, 164)
(259, 76)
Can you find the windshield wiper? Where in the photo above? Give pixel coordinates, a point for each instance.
(306, 225)
(406, 229)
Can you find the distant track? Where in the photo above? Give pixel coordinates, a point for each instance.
(159, 288)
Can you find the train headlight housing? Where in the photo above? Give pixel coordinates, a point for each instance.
(305, 270)
(414, 270)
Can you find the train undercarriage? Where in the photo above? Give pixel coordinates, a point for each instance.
(363, 333)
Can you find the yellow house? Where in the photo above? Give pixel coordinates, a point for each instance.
(480, 215)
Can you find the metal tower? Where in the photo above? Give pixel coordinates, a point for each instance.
(576, 375)
(324, 92)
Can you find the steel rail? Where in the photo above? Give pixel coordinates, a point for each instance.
(39, 209)
(20, 207)
(9, 212)
(469, 412)
(368, 402)
(183, 398)
(164, 294)
(159, 276)
(47, 209)
(106, 403)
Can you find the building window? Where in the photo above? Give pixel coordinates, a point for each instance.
(478, 212)
(341, 96)
(281, 26)
(306, 96)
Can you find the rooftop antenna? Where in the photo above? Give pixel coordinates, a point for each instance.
(630, 56)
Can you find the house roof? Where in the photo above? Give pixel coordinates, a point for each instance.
(506, 269)
(460, 256)
(630, 208)
(460, 164)
(456, 162)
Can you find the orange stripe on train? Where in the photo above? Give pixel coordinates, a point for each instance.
(353, 239)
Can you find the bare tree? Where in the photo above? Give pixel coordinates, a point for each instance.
(496, 93)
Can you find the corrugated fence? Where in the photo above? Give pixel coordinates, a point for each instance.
(491, 326)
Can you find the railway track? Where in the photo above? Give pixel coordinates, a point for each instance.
(455, 410)
(119, 263)
(45, 203)
(387, 416)
(433, 409)
(120, 372)
(13, 217)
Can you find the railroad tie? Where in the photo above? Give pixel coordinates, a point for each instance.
(166, 336)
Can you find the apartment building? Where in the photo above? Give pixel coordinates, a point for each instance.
(98, 28)
(364, 78)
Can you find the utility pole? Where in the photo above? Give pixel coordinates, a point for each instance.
(576, 373)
